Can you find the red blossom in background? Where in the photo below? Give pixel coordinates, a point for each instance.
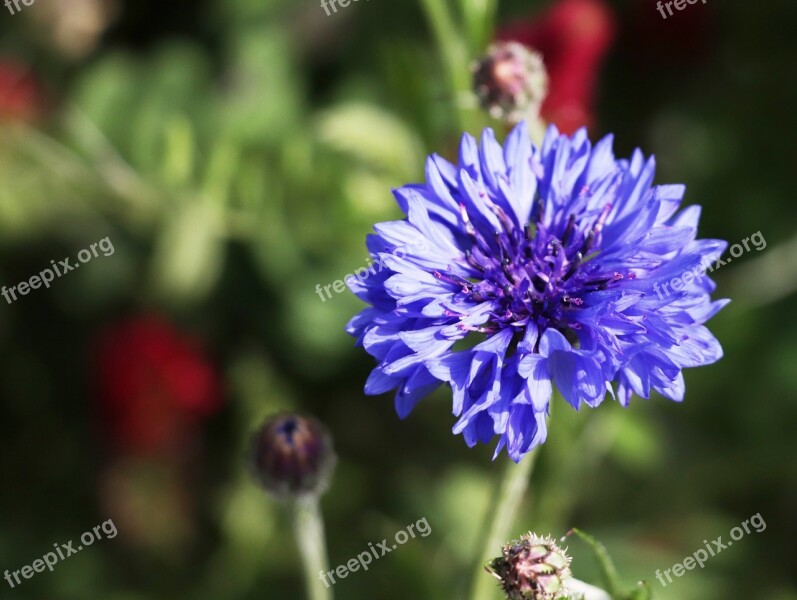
(21, 97)
(155, 386)
(573, 37)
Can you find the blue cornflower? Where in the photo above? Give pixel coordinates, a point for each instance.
(525, 268)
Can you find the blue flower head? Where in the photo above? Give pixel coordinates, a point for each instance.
(525, 268)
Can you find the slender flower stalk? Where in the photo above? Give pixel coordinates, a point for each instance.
(454, 53)
(292, 458)
(504, 508)
(308, 528)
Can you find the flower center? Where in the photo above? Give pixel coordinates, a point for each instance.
(537, 275)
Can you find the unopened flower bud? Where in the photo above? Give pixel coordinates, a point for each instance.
(533, 568)
(292, 455)
(511, 82)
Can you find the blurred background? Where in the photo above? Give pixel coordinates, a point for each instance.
(235, 154)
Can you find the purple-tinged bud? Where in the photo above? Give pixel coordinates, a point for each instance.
(292, 455)
(533, 568)
(511, 82)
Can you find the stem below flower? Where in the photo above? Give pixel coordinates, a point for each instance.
(308, 528)
(498, 525)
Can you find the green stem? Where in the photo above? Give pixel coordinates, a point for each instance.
(308, 527)
(454, 52)
(479, 18)
(498, 527)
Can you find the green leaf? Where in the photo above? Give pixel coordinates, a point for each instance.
(189, 253)
(371, 136)
(178, 160)
(611, 577)
(262, 101)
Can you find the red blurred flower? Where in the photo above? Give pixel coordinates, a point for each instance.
(21, 97)
(573, 37)
(155, 386)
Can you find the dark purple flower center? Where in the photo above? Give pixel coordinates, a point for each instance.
(537, 275)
